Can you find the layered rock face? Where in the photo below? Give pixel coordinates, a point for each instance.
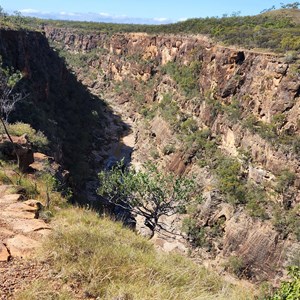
(249, 101)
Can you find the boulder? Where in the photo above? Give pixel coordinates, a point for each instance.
(21, 246)
(21, 148)
(4, 254)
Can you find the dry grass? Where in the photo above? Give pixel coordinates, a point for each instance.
(100, 259)
(34, 186)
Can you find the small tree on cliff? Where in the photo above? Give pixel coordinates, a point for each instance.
(148, 193)
(8, 98)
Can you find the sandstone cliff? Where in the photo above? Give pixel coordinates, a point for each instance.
(247, 103)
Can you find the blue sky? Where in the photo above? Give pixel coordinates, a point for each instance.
(135, 11)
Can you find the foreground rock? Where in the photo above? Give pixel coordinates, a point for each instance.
(21, 148)
(20, 231)
(20, 235)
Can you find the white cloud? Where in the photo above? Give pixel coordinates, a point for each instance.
(63, 13)
(182, 19)
(104, 14)
(29, 11)
(95, 17)
(160, 19)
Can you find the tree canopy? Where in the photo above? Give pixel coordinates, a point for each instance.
(149, 192)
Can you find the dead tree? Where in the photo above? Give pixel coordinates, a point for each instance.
(9, 97)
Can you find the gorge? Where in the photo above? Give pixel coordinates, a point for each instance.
(226, 115)
(243, 102)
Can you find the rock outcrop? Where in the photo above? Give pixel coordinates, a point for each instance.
(20, 231)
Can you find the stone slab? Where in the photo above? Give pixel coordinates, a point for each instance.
(21, 206)
(27, 226)
(21, 246)
(10, 214)
(5, 233)
(4, 254)
(9, 199)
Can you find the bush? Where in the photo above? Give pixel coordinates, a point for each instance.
(256, 200)
(287, 222)
(195, 234)
(149, 193)
(189, 126)
(235, 265)
(169, 110)
(37, 138)
(233, 110)
(272, 132)
(169, 149)
(186, 76)
(296, 145)
(289, 290)
(154, 154)
(228, 171)
(285, 180)
(290, 57)
(4, 178)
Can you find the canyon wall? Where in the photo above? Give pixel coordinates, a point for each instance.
(248, 102)
(57, 104)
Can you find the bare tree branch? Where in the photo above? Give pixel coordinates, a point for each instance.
(8, 99)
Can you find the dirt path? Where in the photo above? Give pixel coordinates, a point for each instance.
(20, 234)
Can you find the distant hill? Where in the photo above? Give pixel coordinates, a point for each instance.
(292, 14)
(276, 30)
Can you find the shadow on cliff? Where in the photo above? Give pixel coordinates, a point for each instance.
(77, 123)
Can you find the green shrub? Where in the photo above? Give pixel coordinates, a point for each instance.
(189, 126)
(169, 149)
(200, 141)
(235, 265)
(215, 106)
(233, 110)
(154, 154)
(195, 233)
(273, 133)
(4, 178)
(287, 222)
(256, 200)
(29, 185)
(291, 56)
(285, 180)
(37, 138)
(289, 290)
(169, 110)
(186, 76)
(228, 171)
(294, 259)
(296, 145)
(256, 209)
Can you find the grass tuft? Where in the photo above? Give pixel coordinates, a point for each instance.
(108, 261)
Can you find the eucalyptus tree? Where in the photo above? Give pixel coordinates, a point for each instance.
(149, 193)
